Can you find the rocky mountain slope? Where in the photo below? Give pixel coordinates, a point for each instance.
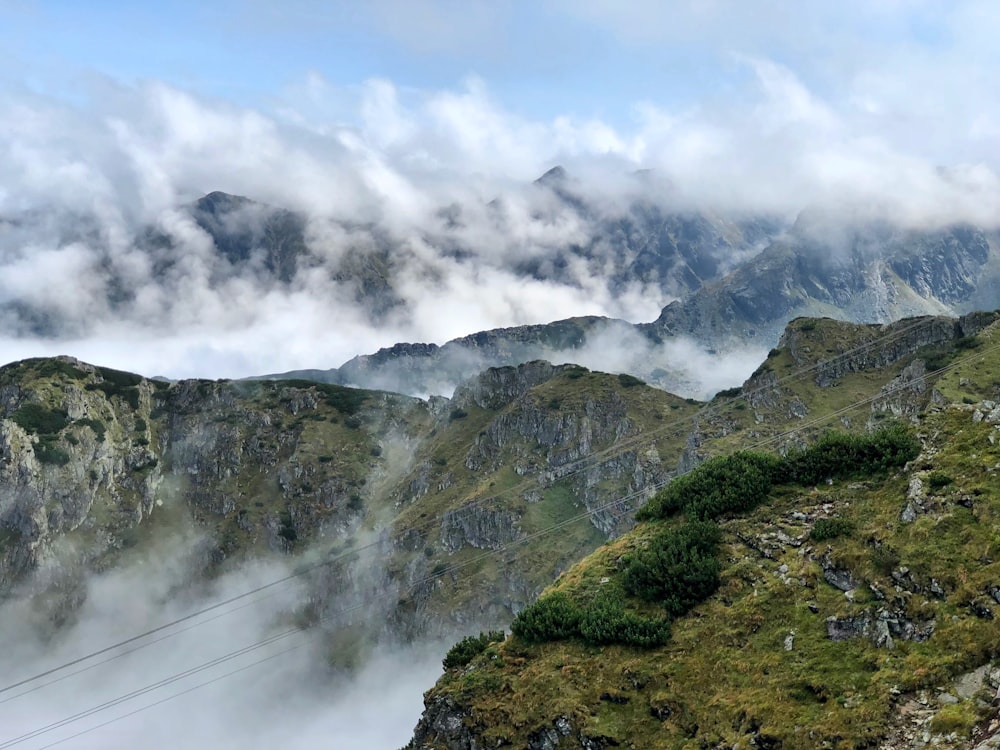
(412, 518)
(735, 280)
(397, 494)
(871, 272)
(853, 611)
(867, 272)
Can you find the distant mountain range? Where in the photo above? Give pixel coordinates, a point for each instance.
(735, 281)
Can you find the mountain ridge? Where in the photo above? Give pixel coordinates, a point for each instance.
(835, 623)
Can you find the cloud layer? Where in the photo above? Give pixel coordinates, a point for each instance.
(442, 176)
(282, 694)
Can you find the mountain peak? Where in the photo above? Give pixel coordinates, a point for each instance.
(218, 202)
(555, 176)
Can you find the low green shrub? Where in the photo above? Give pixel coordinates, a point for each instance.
(49, 452)
(36, 419)
(470, 647)
(842, 455)
(348, 401)
(96, 426)
(119, 378)
(49, 368)
(679, 568)
(938, 480)
(729, 392)
(629, 381)
(830, 528)
(607, 622)
(725, 484)
(552, 617)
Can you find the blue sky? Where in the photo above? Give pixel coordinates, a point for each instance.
(541, 60)
(918, 75)
(588, 59)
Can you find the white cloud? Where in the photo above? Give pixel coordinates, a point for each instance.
(385, 156)
(294, 699)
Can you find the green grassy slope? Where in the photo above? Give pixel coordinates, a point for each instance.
(760, 663)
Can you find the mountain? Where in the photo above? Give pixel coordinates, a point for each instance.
(869, 272)
(94, 462)
(668, 248)
(828, 591)
(875, 273)
(408, 519)
(225, 249)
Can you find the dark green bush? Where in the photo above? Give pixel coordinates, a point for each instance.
(968, 342)
(830, 528)
(457, 414)
(348, 401)
(725, 484)
(118, 386)
(48, 368)
(629, 381)
(606, 622)
(470, 647)
(48, 452)
(729, 392)
(679, 568)
(119, 378)
(552, 617)
(37, 419)
(841, 455)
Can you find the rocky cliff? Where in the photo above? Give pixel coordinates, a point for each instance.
(853, 612)
(94, 461)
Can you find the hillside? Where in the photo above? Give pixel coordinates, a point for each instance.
(853, 607)
(406, 519)
(379, 495)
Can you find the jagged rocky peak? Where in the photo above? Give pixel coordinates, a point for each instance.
(554, 177)
(498, 386)
(218, 202)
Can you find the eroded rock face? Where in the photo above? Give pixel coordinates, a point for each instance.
(443, 723)
(482, 528)
(270, 468)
